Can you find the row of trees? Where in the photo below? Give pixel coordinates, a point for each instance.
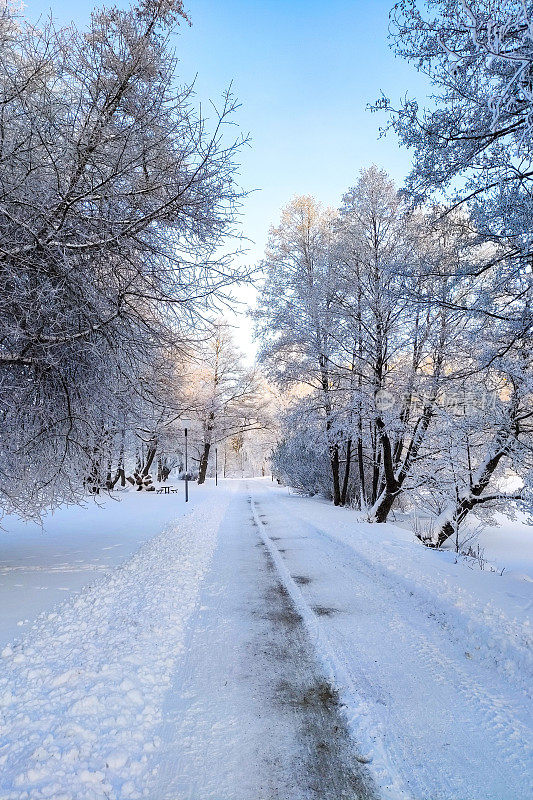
(409, 343)
(118, 205)
(374, 320)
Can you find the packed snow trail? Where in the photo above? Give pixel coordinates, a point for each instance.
(250, 715)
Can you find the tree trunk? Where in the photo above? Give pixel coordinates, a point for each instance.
(346, 472)
(150, 455)
(383, 505)
(93, 480)
(394, 480)
(361, 465)
(376, 463)
(334, 456)
(120, 473)
(333, 448)
(449, 520)
(203, 462)
(388, 493)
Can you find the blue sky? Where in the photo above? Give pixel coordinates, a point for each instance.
(304, 72)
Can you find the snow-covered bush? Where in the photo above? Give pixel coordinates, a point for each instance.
(301, 460)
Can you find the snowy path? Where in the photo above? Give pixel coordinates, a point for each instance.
(249, 715)
(265, 647)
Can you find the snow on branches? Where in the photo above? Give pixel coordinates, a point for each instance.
(474, 138)
(373, 324)
(117, 203)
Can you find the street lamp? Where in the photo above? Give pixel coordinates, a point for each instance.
(186, 471)
(185, 423)
(216, 466)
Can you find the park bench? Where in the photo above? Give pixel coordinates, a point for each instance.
(165, 490)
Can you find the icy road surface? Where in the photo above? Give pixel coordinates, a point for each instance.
(267, 646)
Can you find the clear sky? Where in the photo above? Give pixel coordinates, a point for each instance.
(304, 71)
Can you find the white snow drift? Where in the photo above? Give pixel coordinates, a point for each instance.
(81, 694)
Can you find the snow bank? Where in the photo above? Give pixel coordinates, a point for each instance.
(81, 695)
(41, 566)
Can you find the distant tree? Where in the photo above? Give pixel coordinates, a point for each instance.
(223, 393)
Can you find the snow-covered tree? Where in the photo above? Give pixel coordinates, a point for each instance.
(116, 198)
(490, 436)
(346, 314)
(296, 316)
(370, 323)
(301, 457)
(374, 249)
(473, 141)
(223, 393)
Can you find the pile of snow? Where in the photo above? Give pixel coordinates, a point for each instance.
(41, 566)
(81, 694)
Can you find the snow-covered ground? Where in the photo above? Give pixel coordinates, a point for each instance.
(42, 565)
(503, 547)
(434, 660)
(264, 646)
(508, 546)
(81, 693)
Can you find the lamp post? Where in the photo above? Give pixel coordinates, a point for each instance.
(216, 466)
(185, 423)
(186, 471)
